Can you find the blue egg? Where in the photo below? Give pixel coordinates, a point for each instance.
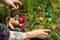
(16, 18)
(47, 14)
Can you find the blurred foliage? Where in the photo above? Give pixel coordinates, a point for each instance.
(32, 9)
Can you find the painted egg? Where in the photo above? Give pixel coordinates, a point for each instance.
(13, 21)
(16, 27)
(16, 17)
(47, 14)
(41, 19)
(49, 19)
(53, 26)
(21, 25)
(41, 13)
(21, 19)
(44, 6)
(16, 22)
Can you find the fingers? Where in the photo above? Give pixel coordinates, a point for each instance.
(13, 6)
(19, 2)
(16, 5)
(46, 30)
(45, 33)
(42, 37)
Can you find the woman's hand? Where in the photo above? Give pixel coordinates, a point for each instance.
(39, 33)
(12, 3)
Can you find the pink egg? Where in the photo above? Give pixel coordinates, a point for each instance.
(21, 25)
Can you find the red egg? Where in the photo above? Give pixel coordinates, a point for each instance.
(21, 19)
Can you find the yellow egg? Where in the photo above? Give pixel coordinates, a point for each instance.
(53, 26)
(16, 22)
(13, 21)
(41, 19)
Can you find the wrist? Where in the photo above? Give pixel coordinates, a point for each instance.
(29, 35)
(26, 35)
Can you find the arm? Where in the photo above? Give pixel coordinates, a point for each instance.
(35, 33)
(10, 24)
(39, 33)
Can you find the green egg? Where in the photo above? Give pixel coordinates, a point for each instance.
(49, 20)
(44, 6)
(16, 27)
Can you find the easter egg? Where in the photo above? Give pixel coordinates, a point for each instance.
(16, 27)
(47, 14)
(21, 19)
(49, 19)
(12, 21)
(41, 19)
(20, 25)
(16, 22)
(16, 17)
(53, 26)
(44, 6)
(41, 12)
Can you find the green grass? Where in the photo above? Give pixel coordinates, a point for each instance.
(32, 9)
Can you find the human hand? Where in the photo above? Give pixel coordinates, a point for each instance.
(39, 33)
(12, 3)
